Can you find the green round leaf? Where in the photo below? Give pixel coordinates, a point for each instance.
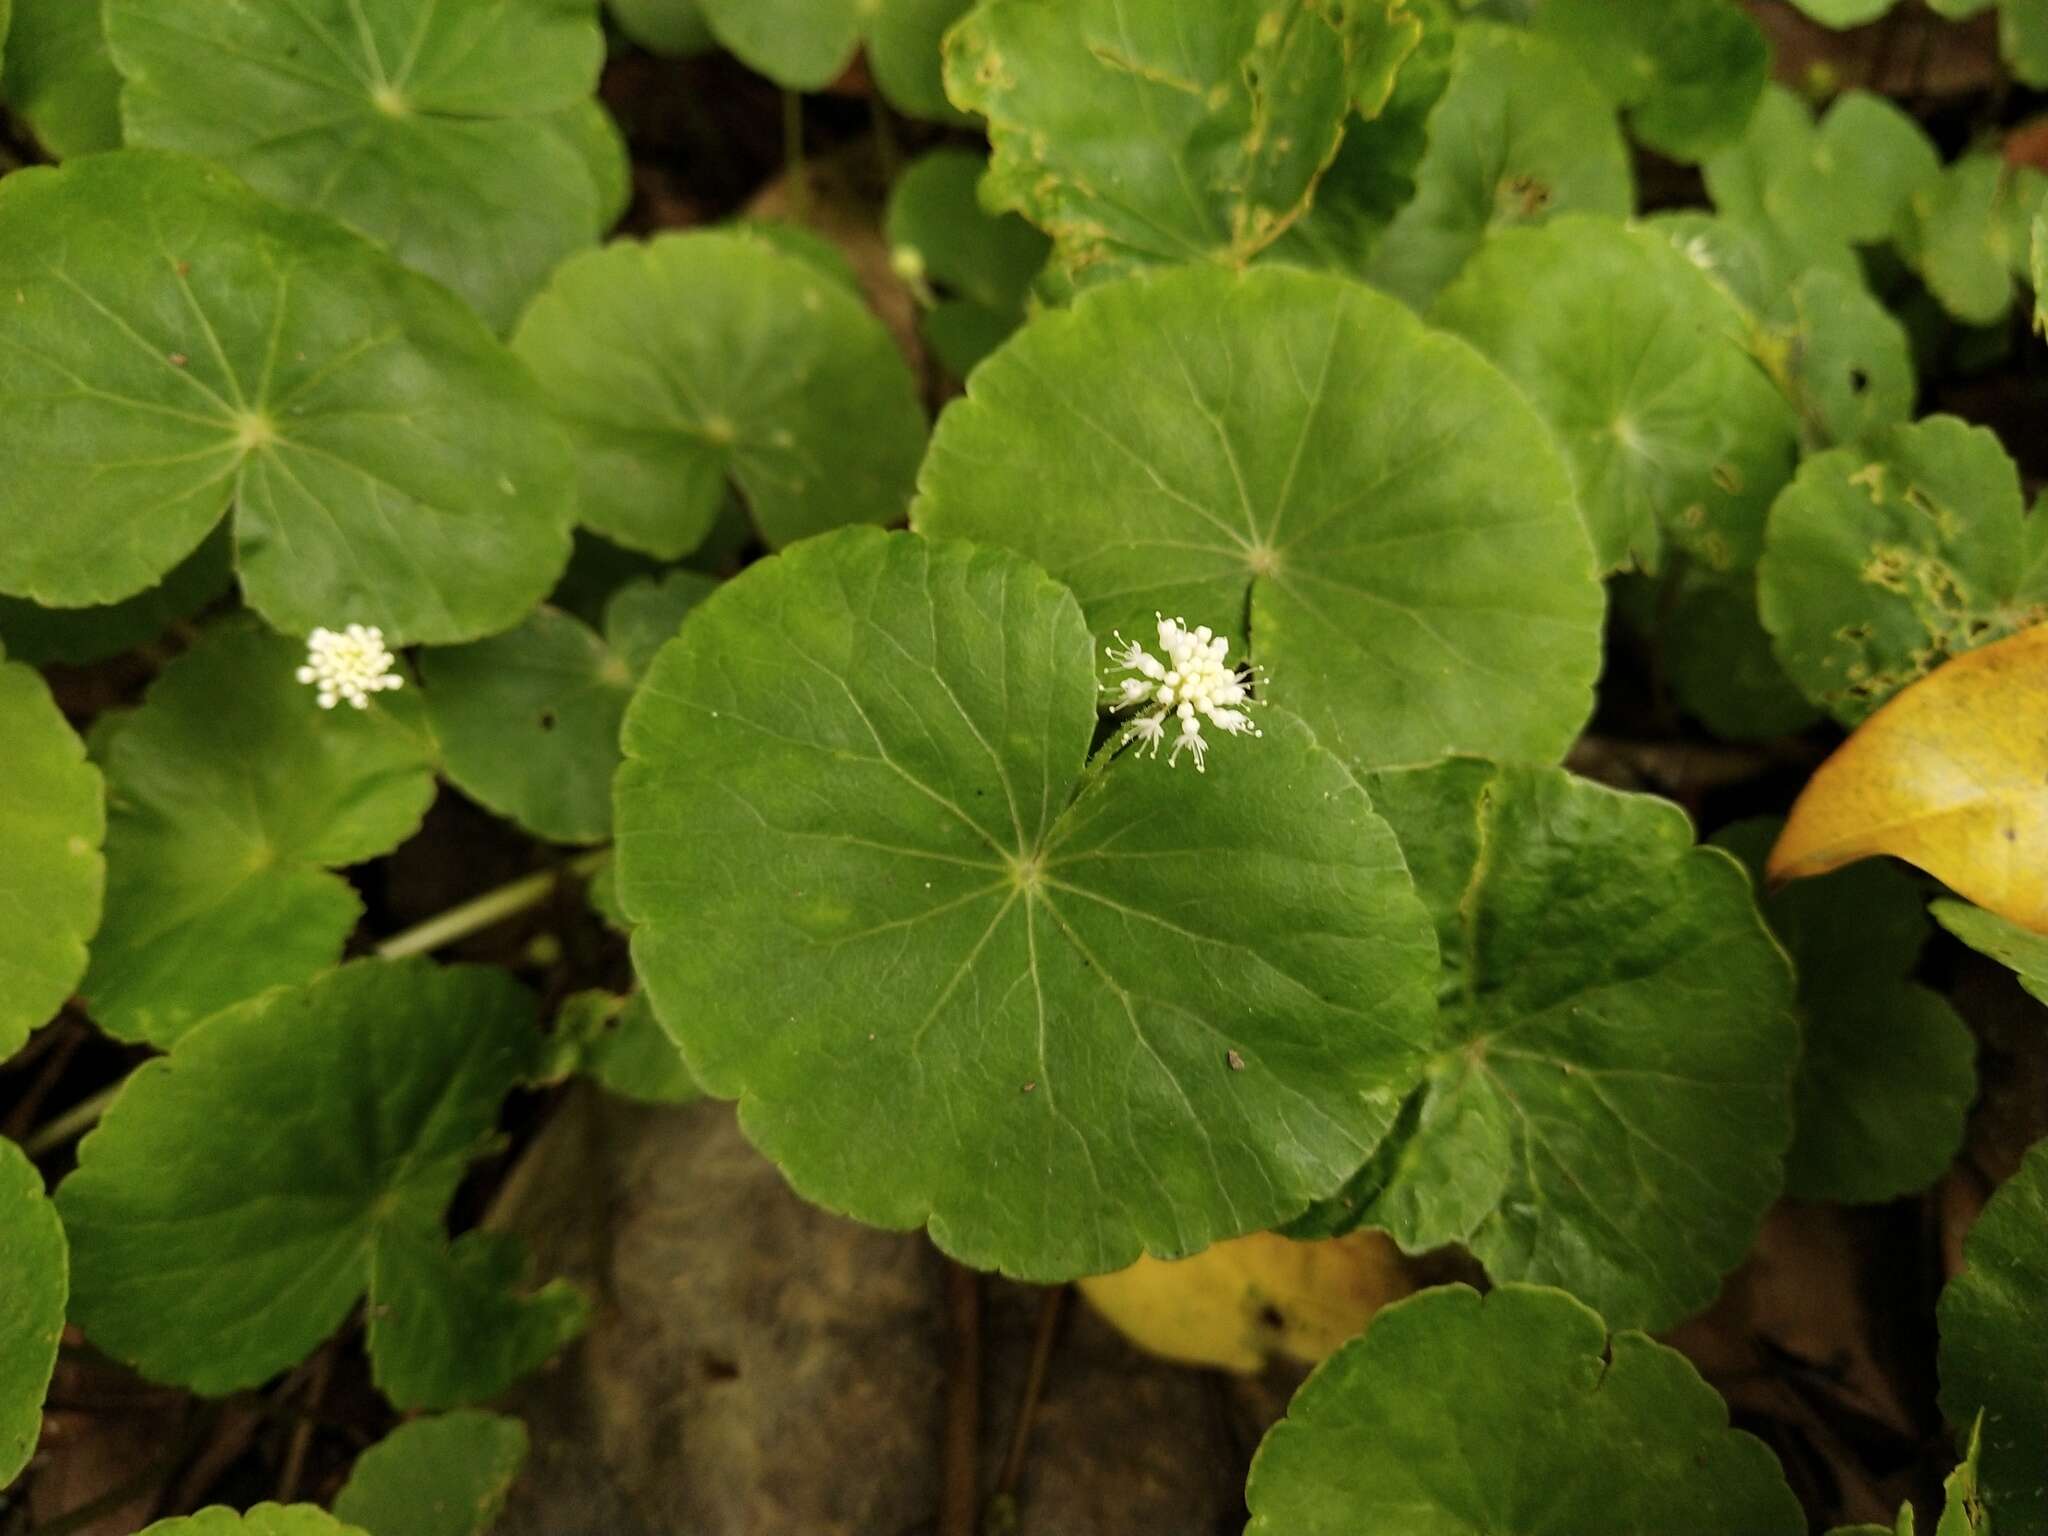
(1132, 138)
(1719, 663)
(233, 794)
(1511, 1414)
(693, 360)
(59, 77)
(80, 636)
(1851, 363)
(980, 264)
(427, 127)
(34, 1279)
(805, 45)
(272, 1152)
(644, 615)
(673, 27)
(949, 974)
(1994, 1347)
(2025, 953)
(1883, 561)
(905, 52)
(1385, 507)
(1887, 1075)
(1566, 1133)
(176, 344)
(449, 1325)
(1953, 238)
(1689, 73)
(52, 821)
(2023, 40)
(1843, 14)
(1630, 355)
(1520, 133)
(444, 1476)
(263, 1520)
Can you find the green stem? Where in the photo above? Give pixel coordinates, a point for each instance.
(438, 932)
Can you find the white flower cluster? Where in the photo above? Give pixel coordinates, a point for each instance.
(349, 664)
(1194, 683)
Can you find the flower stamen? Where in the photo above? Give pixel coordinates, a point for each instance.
(1195, 684)
(350, 664)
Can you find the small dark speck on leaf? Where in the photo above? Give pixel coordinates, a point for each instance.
(547, 719)
(179, 359)
(2011, 835)
(1236, 1061)
(184, 269)
(1859, 381)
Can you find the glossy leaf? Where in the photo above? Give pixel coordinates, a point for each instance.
(1516, 1415)
(1565, 1133)
(59, 77)
(2025, 953)
(429, 128)
(1243, 1303)
(444, 1476)
(1294, 449)
(273, 1151)
(451, 1325)
(263, 1520)
(233, 794)
(1132, 138)
(1519, 134)
(34, 1278)
(1886, 1077)
(1994, 1348)
(948, 974)
(1948, 776)
(1883, 561)
(693, 361)
(176, 344)
(1633, 360)
(52, 877)
(976, 267)
(1688, 74)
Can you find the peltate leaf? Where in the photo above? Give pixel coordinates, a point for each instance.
(1520, 133)
(59, 77)
(693, 361)
(1566, 1133)
(443, 1476)
(1887, 1074)
(233, 794)
(1883, 561)
(34, 1279)
(949, 974)
(272, 1152)
(1689, 73)
(177, 345)
(433, 128)
(52, 822)
(1513, 1414)
(1292, 449)
(1634, 360)
(1994, 1348)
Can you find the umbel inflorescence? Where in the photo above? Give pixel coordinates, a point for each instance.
(349, 664)
(1194, 683)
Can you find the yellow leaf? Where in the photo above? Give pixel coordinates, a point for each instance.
(1239, 1303)
(1951, 775)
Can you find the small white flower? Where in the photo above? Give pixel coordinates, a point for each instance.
(349, 664)
(1194, 684)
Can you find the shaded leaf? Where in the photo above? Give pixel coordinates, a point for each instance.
(34, 1279)
(1689, 74)
(1520, 133)
(676, 28)
(1516, 1415)
(80, 636)
(1565, 1133)
(1673, 433)
(1955, 240)
(1948, 776)
(59, 77)
(1882, 561)
(1994, 1350)
(1887, 1075)
(191, 345)
(263, 1520)
(947, 973)
(444, 1476)
(429, 128)
(52, 877)
(232, 795)
(2025, 953)
(273, 1151)
(450, 1325)
(1292, 449)
(979, 264)
(618, 1043)
(1719, 663)
(692, 361)
(1242, 1303)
